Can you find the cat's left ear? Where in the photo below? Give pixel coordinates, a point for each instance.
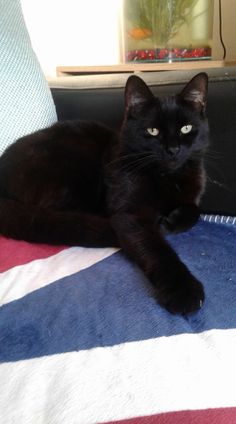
(137, 94)
(195, 92)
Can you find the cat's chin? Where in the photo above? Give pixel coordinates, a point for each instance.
(170, 168)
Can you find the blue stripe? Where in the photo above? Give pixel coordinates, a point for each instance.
(111, 303)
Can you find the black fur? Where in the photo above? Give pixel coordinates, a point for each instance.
(81, 183)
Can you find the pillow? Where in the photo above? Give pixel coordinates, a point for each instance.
(26, 104)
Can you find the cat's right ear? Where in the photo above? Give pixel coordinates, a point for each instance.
(137, 94)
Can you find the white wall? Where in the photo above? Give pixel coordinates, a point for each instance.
(73, 32)
(228, 30)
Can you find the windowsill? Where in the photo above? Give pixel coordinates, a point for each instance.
(89, 81)
(140, 67)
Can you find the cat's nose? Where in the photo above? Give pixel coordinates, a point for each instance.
(173, 150)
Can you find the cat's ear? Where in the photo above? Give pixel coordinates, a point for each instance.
(137, 93)
(195, 92)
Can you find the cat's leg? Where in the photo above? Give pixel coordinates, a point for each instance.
(175, 287)
(41, 225)
(180, 219)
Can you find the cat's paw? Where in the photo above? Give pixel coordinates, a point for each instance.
(182, 297)
(180, 219)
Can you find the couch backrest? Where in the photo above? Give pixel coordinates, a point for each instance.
(100, 98)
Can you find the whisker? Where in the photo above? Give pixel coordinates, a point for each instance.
(219, 184)
(125, 157)
(210, 155)
(148, 162)
(214, 152)
(140, 163)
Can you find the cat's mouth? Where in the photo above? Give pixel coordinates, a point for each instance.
(172, 164)
(168, 166)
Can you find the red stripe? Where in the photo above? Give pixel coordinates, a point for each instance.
(206, 416)
(13, 252)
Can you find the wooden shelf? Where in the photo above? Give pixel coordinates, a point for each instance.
(139, 67)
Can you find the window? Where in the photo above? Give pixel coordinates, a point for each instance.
(90, 32)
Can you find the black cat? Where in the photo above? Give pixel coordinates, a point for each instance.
(81, 183)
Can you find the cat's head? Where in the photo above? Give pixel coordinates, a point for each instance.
(170, 129)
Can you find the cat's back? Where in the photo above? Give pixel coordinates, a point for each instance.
(67, 136)
(64, 142)
(65, 151)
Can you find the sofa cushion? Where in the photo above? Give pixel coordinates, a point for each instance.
(26, 104)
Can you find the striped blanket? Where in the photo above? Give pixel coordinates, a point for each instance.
(83, 341)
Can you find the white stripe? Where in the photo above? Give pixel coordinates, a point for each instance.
(219, 219)
(21, 280)
(184, 372)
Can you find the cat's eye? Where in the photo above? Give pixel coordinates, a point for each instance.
(153, 131)
(186, 129)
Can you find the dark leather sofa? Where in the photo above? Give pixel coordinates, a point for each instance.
(100, 98)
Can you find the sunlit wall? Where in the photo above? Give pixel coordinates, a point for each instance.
(74, 32)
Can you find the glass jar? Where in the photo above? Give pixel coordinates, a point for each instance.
(167, 30)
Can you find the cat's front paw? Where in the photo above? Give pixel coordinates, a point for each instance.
(182, 297)
(180, 219)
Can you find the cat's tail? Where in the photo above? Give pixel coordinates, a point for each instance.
(36, 224)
